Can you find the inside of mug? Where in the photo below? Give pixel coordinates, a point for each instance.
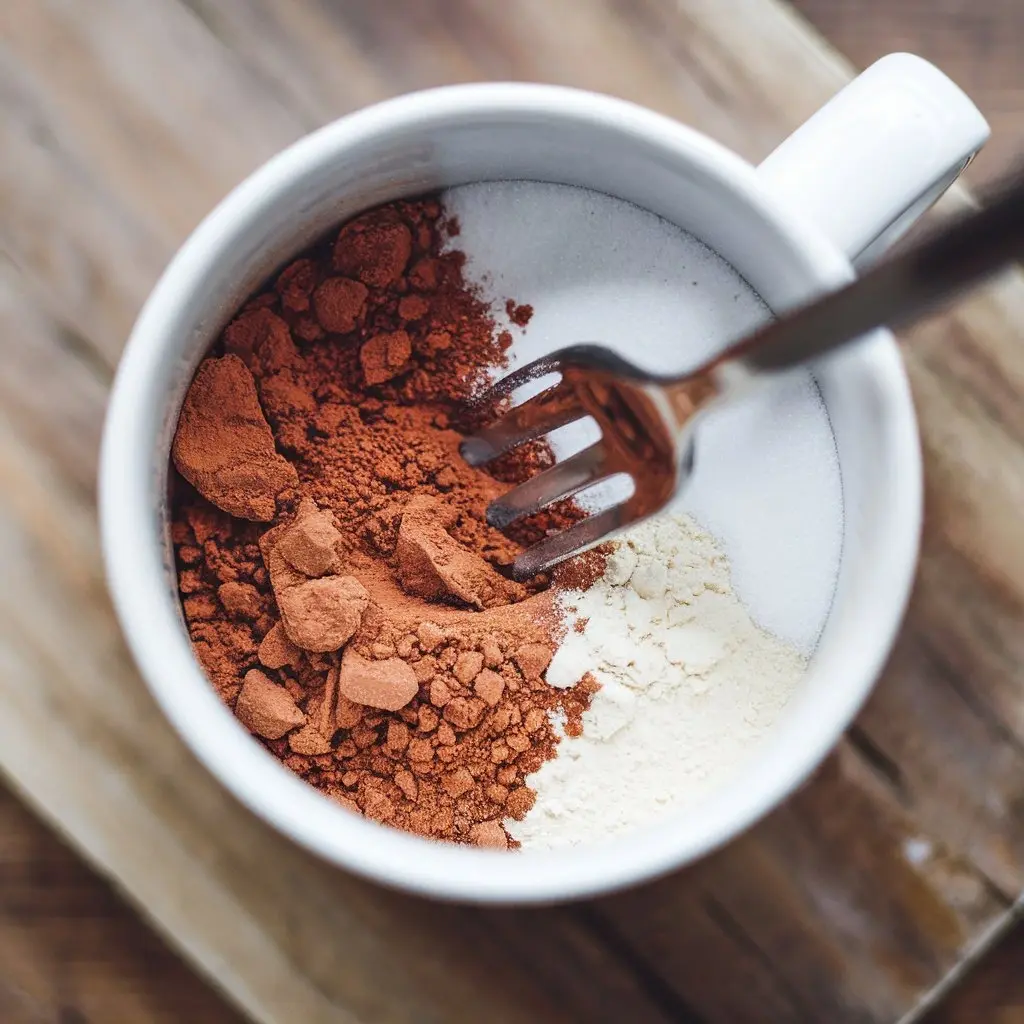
(305, 191)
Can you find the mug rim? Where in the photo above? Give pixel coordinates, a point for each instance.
(161, 648)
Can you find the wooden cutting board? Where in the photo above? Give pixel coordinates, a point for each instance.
(856, 902)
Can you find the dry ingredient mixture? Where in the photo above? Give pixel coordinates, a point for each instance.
(689, 685)
(339, 582)
(348, 601)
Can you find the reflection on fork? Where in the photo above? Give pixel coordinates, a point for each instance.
(642, 437)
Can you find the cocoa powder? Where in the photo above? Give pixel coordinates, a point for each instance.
(519, 314)
(370, 637)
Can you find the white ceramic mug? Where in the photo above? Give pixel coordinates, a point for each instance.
(842, 186)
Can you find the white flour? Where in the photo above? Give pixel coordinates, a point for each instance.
(689, 684)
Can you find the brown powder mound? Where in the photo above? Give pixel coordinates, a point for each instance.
(339, 303)
(323, 612)
(385, 356)
(295, 285)
(276, 650)
(489, 834)
(434, 565)
(322, 615)
(388, 685)
(261, 340)
(313, 543)
(375, 248)
(223, 445)
(407, 671)
(241, 600)
(520, 315)
(265, 707)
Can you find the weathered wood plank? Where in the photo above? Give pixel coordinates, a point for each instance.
(64, 417)
(976, 44)
(990, 990)
(110, 91)
(86, 261)
(116, 143)
(851, 906)
(317, 72)
(69, 945)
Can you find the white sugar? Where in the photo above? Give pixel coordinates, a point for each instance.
(596, 269)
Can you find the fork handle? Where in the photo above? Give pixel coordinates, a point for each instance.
(951, 258)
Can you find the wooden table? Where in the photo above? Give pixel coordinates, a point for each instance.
(88, 217)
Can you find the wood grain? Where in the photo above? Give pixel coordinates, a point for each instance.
(71, 951)
(125, 123)
(978, 44)
(992, 993)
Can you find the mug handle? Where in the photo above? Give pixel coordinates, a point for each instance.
(877, 155)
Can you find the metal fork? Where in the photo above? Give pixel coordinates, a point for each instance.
(647, 421)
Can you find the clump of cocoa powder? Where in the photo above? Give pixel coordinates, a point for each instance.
(519, 313)
(370, 637)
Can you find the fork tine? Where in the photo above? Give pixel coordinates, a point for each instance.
(560, 481)
(579, 537)
(551, 363)
(552, 408)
